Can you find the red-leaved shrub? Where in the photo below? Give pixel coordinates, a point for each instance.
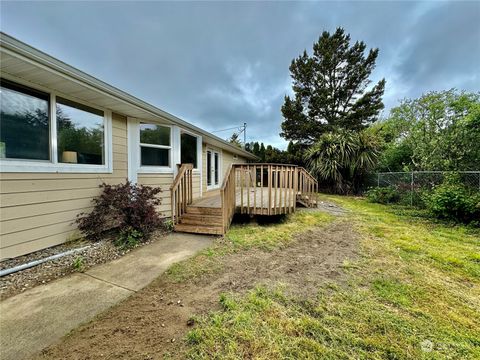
(125, 207)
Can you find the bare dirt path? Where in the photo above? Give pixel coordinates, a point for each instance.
(153, 322)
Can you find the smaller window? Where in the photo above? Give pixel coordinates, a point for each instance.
(155, 145)
(188, 150)
(209, 168)
(217, 167)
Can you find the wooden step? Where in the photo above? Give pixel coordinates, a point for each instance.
(201, 219)
(199, 229)
(200, 210)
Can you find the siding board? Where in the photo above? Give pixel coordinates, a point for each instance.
(37, 210)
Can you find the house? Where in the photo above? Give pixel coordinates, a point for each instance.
(64, 132)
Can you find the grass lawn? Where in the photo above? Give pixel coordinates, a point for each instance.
(413, 293)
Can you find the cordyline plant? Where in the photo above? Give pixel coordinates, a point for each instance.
(126, 207)
(343, 158)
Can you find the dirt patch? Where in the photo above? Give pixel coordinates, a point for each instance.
(153, 322)
(95, 253)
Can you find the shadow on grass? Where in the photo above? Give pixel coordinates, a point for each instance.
(261, 220)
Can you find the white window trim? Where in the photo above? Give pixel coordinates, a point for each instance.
(52, 165)
(134, 153)
(133, 139)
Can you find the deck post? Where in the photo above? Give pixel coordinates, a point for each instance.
(248, 177)
(241, 188)
(261, 187)
(269, 189)
(295, 188)
(254, 189)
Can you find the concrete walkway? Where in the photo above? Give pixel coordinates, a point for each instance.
(41, 316)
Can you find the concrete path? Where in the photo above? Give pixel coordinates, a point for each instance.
(41, 316)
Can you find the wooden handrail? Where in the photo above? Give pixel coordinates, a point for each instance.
(225, 180)
(181, 192)
(307, 187)
(228, 197)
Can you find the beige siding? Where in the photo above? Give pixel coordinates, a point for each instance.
(227, 159)
(196, 185)
(163, 181)
(37, 209)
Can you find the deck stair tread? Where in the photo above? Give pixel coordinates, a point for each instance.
(199, 229)
(202, 210)
(201, 219)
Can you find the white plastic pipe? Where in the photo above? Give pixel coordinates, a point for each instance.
(40, 261)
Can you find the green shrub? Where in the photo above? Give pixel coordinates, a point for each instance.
(129, 238)
(453, 201)
(124, 207)
(383, 195)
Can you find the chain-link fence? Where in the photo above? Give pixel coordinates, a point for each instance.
(411, 185)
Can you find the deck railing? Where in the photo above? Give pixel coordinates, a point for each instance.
(266, 189)
(181, 192)
(307, 187)
(254, 189)
(227, 195)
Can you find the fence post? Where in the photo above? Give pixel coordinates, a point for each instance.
(411, 191)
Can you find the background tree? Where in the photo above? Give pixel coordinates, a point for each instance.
(331, 89)
(235, 140)
(438, 131)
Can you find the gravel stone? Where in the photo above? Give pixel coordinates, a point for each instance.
(97, 253)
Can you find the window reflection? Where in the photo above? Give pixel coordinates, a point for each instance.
(24, 123)
(80, 132)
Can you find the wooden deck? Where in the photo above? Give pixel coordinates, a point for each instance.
(255, 189)
(257, 201)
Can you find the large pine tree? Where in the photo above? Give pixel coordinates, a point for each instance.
(331, 89)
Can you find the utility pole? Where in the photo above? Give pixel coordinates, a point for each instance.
(244, 135)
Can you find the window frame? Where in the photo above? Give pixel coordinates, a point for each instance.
(148, 169)
(53, 165)
(199, 148)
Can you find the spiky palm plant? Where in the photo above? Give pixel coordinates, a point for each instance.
(342, 158)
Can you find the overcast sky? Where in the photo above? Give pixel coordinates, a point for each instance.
(218, 65)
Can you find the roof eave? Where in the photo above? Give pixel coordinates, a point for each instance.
(46, 60)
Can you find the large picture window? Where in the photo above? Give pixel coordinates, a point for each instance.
(188, 149)
(80, 132)
(46, 132)
(155, 145)
(24, 123)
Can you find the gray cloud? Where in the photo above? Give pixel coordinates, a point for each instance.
(220, 64)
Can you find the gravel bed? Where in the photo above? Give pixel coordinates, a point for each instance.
(97, 253)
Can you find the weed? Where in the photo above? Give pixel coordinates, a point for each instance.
(168, 225)
(128, 238)
(79, 263)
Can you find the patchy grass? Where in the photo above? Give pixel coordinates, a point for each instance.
(414, 293)
(241, 237)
